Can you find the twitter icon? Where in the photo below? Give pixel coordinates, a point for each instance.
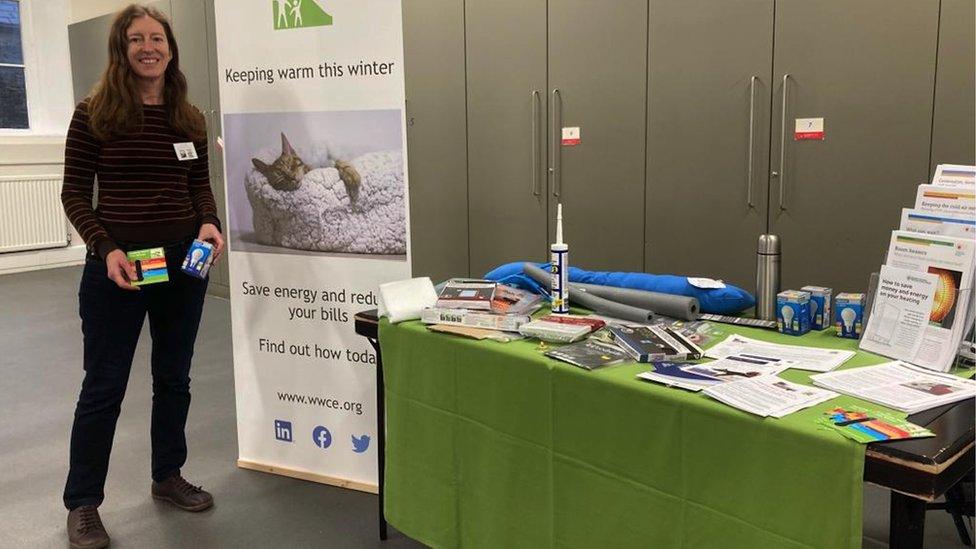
(359, 445)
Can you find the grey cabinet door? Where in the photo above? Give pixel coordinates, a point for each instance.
(710, 66)
(87, 42)
(506, 102)
(953, 135)
(433, 50)
(867, 68)
(598, 64)
(189, 20)
(220, 273)
(193, 25)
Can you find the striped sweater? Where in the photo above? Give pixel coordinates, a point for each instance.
(145, 194)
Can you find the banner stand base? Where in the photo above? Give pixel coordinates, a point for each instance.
(309, 476)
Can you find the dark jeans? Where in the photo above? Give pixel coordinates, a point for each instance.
(111, 319)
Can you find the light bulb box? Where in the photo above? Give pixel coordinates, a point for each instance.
(198, 259)
(849, 318)
(793, 312)
(820, 318)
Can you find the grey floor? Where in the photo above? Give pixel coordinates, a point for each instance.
(40, 374)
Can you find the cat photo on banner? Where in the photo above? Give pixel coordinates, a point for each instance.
(328, 182)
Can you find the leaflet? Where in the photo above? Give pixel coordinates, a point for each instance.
(956, 226)
(900, 316)
(799, 357)
(946, 200)
(951, 260)
(735, 367)
(695, 377)
(952, 175)
(867, 426)
(899, 385)
(768, 396)
(675, 374)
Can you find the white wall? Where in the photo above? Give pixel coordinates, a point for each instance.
(40, 150)
(86, 9)
(44, 26)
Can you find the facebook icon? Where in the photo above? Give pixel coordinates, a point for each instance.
(322, 437)
(283, 430)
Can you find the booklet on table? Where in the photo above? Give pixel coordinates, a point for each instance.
(951, 261)
(866, 426)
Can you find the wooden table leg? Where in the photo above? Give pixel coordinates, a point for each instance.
(907, 527)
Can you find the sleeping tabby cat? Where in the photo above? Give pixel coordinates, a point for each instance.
(287, 171)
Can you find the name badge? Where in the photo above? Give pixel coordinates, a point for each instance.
(185, 151)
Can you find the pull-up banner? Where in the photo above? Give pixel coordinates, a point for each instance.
(312, 98)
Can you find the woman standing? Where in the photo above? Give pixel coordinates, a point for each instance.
(147, 146)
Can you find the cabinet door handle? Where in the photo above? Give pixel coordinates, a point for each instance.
(556, 140)
(782, 147)
(752, 124)
(534, 187)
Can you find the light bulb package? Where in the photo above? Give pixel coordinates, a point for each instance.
(820, 318)
(198, 259)
(793, 312)
(849, 309)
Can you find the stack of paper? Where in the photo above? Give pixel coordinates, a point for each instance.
(899, 385)
(768, 396)
(802, 358)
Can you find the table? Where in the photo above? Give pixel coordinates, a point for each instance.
(921, 468)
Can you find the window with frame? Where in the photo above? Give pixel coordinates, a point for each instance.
(13, 88)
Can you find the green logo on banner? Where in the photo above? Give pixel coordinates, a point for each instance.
(296, 14)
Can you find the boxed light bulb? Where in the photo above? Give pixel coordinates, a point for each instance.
(198, 259)
(850, 315)
(793, 312)
(820, 318)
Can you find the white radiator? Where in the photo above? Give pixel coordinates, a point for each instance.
(31, 216)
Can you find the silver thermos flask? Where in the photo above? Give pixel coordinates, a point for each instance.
(768, 256)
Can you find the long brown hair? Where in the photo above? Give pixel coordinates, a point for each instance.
(115, 106)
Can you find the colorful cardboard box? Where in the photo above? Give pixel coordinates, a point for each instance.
(198, 259)
(150, 266)
(820, 297)
(850, 315)
(793, 312)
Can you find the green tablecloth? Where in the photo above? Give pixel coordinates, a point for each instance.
(495, 445)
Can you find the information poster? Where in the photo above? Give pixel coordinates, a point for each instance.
(316, 183)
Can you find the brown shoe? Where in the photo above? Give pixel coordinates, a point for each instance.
(182, 494)
(85, 530)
